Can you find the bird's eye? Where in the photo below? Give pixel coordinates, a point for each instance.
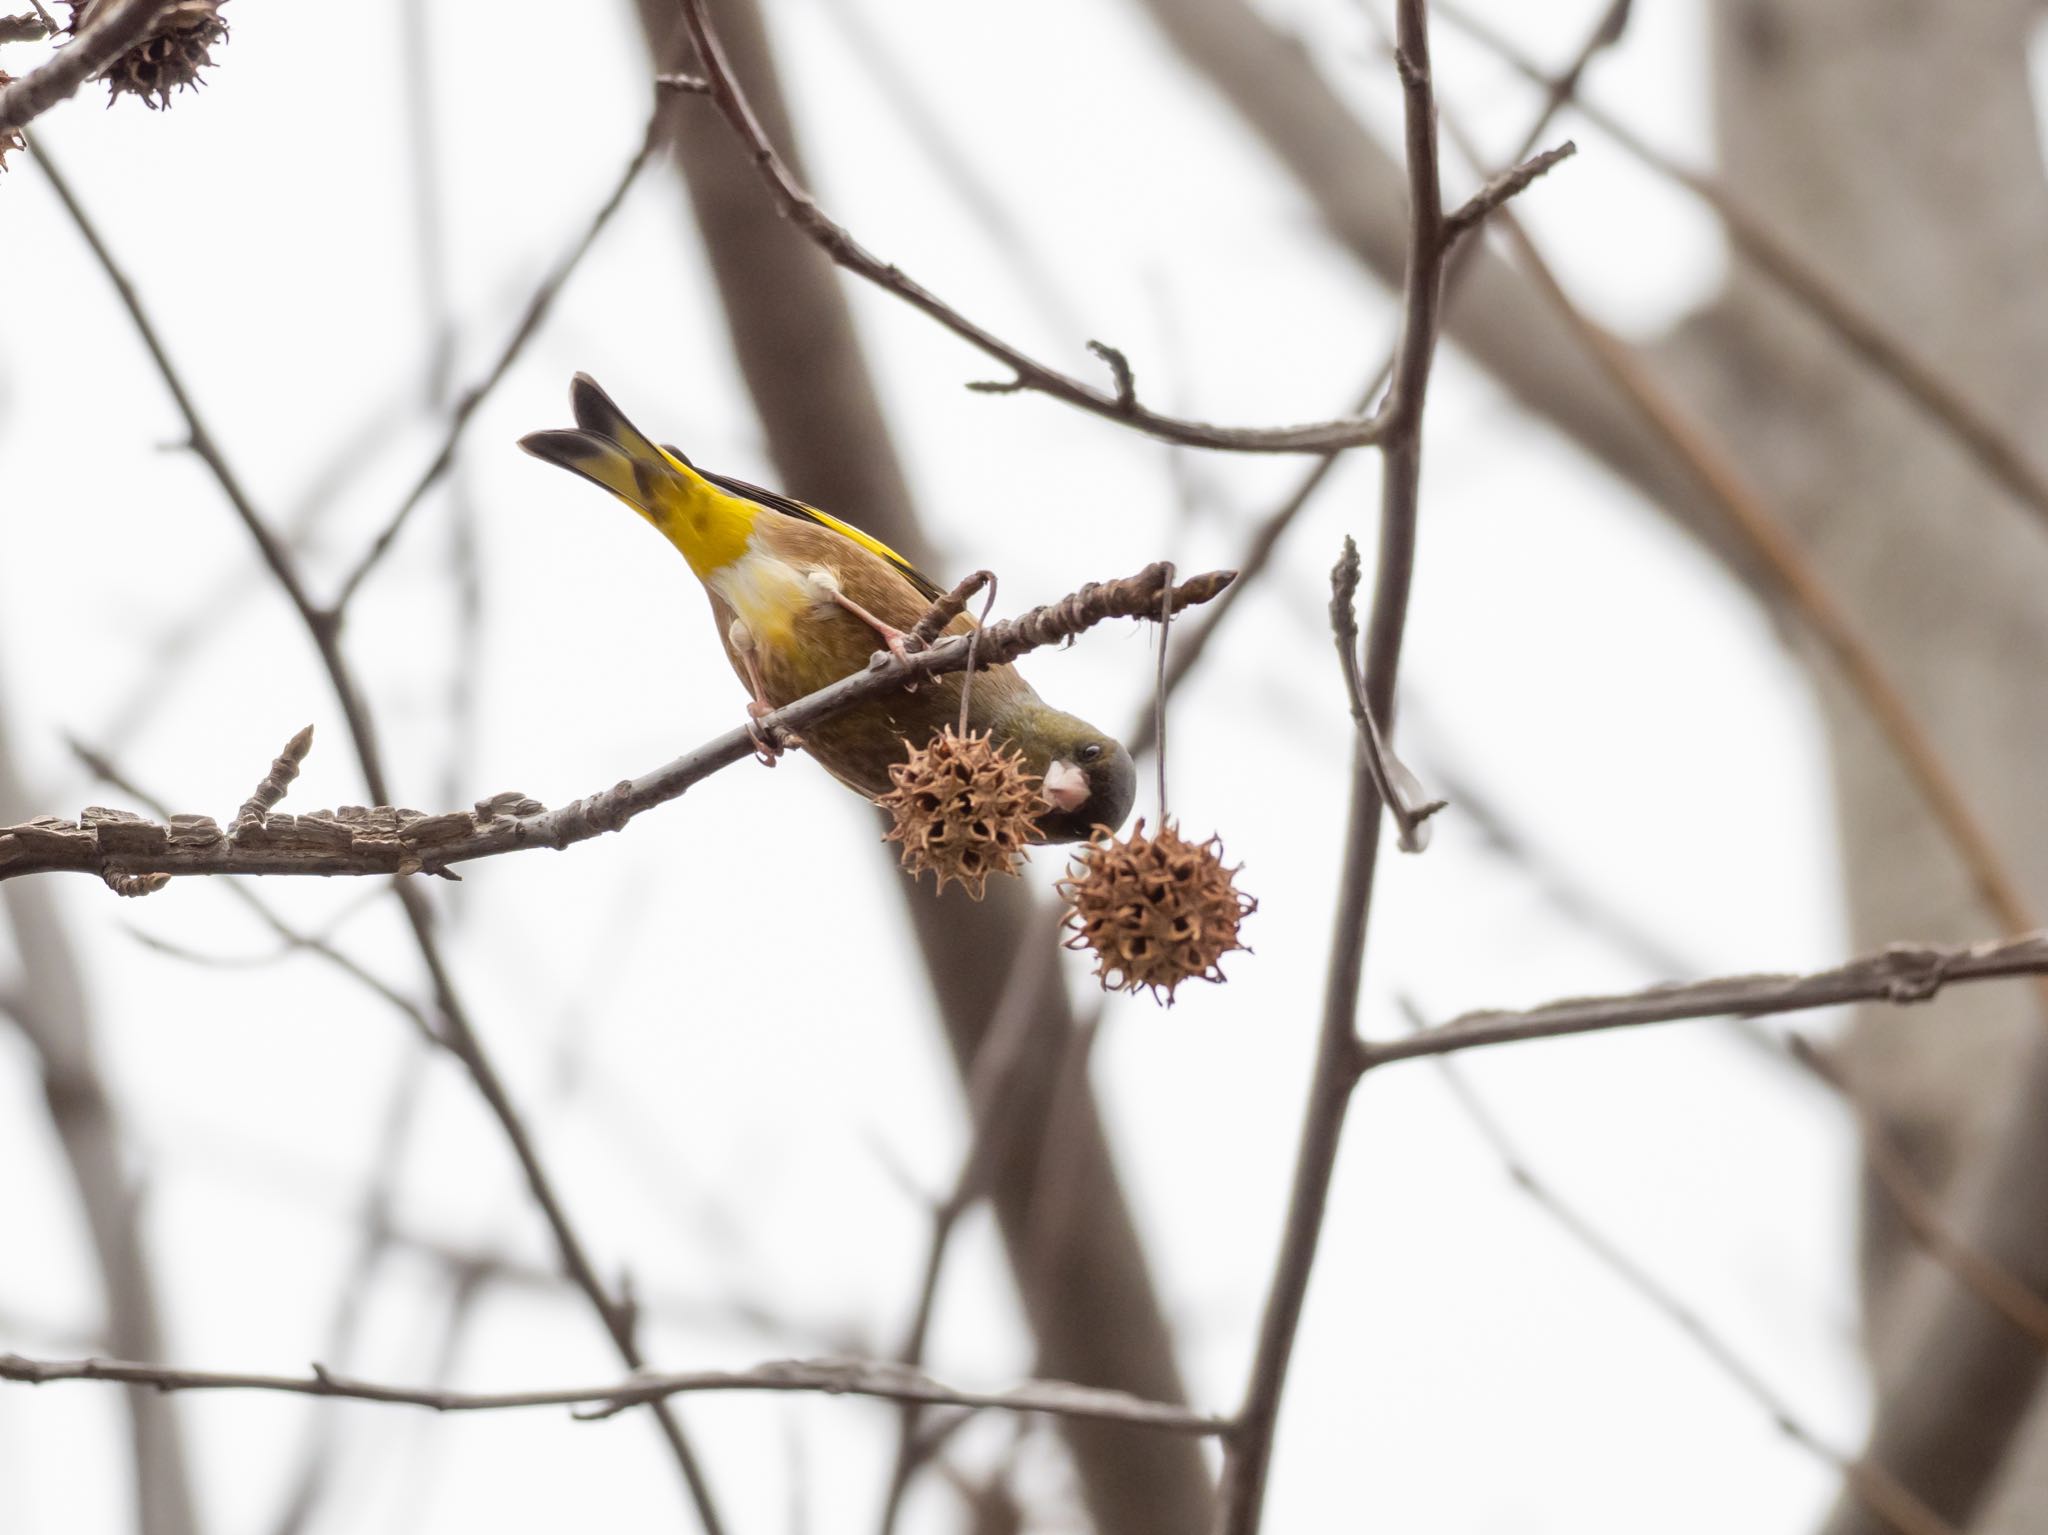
(1091, 751)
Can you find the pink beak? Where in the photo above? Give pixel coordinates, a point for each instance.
(1065, 786)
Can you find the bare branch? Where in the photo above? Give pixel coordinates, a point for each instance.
(1509, 183)
(1028, 373)
(1399, 790)
(459, 1034)
(1800, 582)
(1879, 1491)
(1903, 973)
(1987, 1278)
(112, 33)
(1266, 536)
(1250, 1454)
(831, 1377)
(1889, 354)
(388, 840)
(530, 321)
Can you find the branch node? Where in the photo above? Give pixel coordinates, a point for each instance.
(283, 769)
(134, 884)
(1120, 370)
(945, 609)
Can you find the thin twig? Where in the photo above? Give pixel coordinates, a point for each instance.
(1903, 973)
(1881, 1492)
(1864, 333)
(458, 1034)
(1001, 1055)
(530, 320)
(1396, 786)
(1028, 373)
(1988, 1279)
(1266, 537)
(831, 1377)
(926, 631)
(974, 652)
(1815, 603)
(1249, 1456)
(319, 623)
(110, 34)
(1159, 695)
(1509, 183)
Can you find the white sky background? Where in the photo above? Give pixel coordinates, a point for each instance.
(715, 1020)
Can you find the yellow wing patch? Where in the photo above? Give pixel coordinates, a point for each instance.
(804, 513)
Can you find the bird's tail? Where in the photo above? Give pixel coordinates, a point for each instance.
(608, 450)
(709, 524)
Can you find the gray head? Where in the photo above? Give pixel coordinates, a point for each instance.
(1090, 780)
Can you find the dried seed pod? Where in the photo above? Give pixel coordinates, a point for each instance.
(1156, 910)
(169, 58)
(964, 809)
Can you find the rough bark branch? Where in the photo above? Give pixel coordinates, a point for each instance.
(118, 845)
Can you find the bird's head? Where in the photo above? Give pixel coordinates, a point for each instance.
(1087, 778)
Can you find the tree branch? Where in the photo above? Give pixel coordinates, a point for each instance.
(1879, 1491)
(1247, 1465)
(459, 1034)
(830, 1377)
(1903, 973)
(1882, 349)
(117, 29)
(1122, 405)
(530, 320)
(388, 840)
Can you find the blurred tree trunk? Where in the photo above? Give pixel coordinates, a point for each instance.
(1898, 144)
(1895, 140)
(49, 1006)
(1085, 1286)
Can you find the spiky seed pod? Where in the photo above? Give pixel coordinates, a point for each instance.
(1156, 910)
(964, 809)
(169, 59)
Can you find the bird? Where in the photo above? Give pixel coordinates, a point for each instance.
(801, 599)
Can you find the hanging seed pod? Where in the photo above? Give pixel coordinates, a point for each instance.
(1156, 911)
(964, 810)
(169, 59)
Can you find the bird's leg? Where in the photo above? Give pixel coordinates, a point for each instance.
(766, 751)
(829, 588)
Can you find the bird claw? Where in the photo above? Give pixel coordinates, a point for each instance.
(895, 646)
(770, 742)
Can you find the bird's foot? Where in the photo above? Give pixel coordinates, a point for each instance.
(770, 741)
